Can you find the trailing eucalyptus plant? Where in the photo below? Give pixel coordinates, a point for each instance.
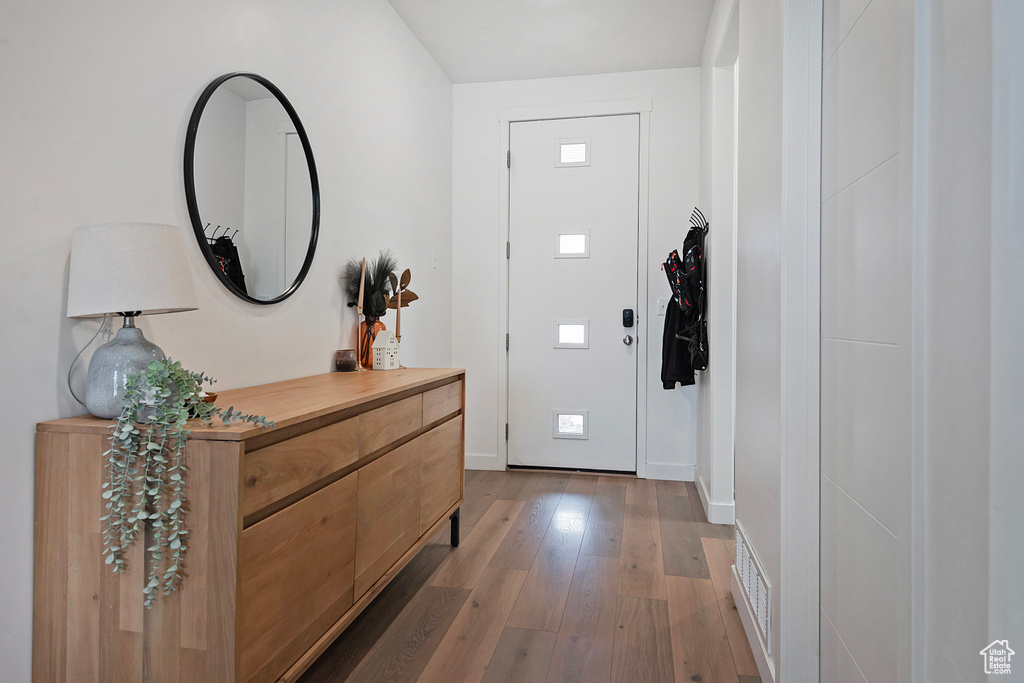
(146, 471)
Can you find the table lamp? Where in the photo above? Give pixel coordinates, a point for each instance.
(127, 269)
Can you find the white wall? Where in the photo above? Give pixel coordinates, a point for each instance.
(920, 533)
(220, 163)
(865, 346)
(96, 99)
(1006, 364)
(968, 397)
(266, 169)
(919, 335)
(758, 287)
(715, 386)
(477, 246)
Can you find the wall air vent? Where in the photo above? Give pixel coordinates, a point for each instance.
(759, 593)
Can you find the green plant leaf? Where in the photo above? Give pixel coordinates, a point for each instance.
(169, 395)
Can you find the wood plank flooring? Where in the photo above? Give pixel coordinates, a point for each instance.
(559, 577)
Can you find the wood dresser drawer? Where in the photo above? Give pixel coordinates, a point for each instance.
(387, 424)
(295, 576)
(441, 402)
(389, 512)
(440, 471)
(275, 472)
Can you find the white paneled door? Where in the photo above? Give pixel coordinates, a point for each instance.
(573, 229)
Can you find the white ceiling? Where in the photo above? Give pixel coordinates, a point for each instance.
(501, 40)
(247, 89)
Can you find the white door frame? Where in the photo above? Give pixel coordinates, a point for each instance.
(508, 115)
(714, 476)
(798, 651)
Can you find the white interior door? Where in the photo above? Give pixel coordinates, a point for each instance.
(573, 231)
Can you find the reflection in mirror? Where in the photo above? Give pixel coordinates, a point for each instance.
(252, 187)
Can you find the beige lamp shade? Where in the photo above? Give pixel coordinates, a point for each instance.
(123, 267)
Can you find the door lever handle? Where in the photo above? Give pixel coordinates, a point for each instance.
(627, 340)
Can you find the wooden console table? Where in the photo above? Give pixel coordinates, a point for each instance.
(294, 530)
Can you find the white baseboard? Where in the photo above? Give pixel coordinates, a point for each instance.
(702, 493)
(717, 513)
(765, 667)
(482, 461)
(669, 472)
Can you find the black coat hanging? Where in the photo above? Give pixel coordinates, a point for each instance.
(227, 255)
(693, 323)
(685, 339)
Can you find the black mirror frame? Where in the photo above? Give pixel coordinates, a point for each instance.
(190, 189)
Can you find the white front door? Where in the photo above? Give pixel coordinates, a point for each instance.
(573, 230)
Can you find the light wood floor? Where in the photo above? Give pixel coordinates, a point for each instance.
(559, 577)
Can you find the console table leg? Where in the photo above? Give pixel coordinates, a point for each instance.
(454, 517)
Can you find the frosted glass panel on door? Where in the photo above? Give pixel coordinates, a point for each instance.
(572, 152)
(570, 424)
(572, 244)
(571, 334)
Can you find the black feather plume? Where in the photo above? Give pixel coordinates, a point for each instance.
(376, 285)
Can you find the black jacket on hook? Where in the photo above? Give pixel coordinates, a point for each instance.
(685, 339)
(693, 326)
(675, 352)
(227, 254)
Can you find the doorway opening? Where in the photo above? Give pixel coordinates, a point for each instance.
(572, 381)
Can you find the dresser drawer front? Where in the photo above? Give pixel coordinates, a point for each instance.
(387, 424)
(441, 471)
(389, 512)
(277, 471)
(295, 576)
(442, 402)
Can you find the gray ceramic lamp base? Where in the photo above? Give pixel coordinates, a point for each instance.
(128, 353)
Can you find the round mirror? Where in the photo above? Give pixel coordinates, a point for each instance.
(251, 186)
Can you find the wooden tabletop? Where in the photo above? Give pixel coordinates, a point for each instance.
(285, 403)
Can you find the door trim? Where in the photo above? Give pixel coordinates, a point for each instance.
(507, 116)
(797, 657)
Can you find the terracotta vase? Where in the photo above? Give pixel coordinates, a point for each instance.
(368, 330)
